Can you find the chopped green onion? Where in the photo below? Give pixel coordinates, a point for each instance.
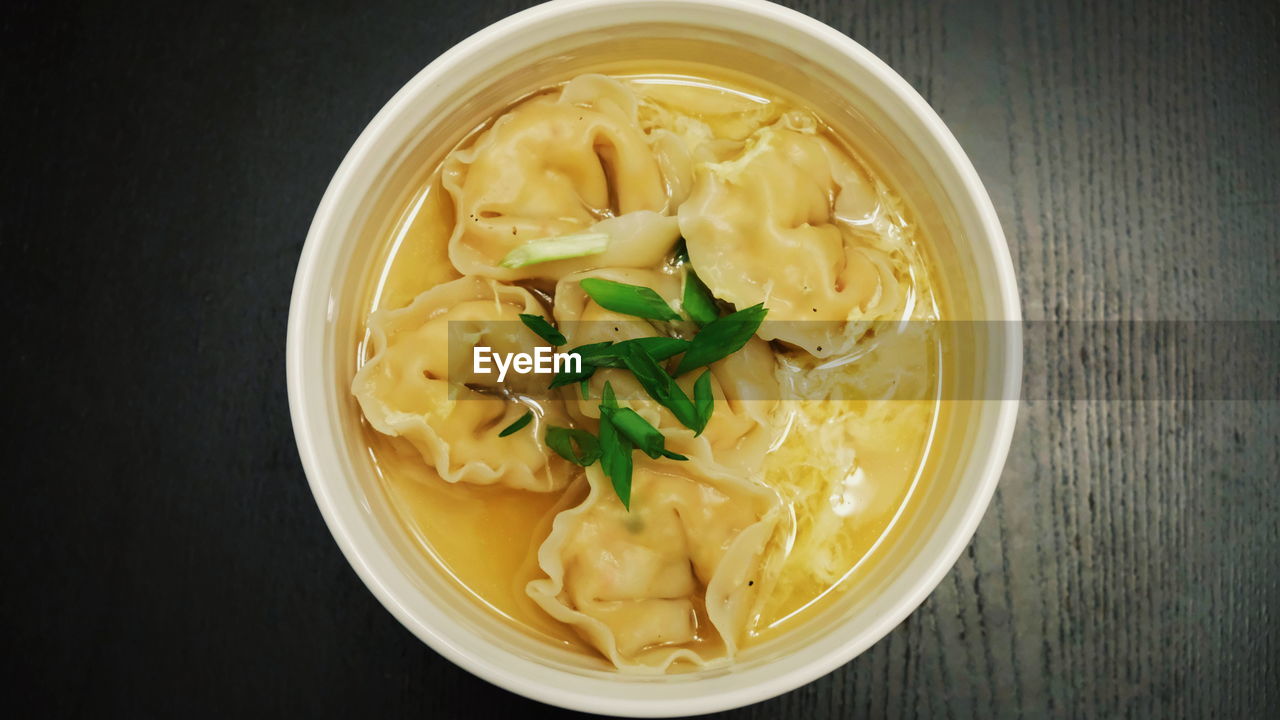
(544, 329)
(673, 455)
(628, 299)
(615, 460)
(638, 430)
(565, 377)
(615, 450)
(588, 369)
(556, 248)
(585, 388)
(609, 355)
(703, 400)
(562, 440)
(607, 399)
(722, 337)
(517, 425)
(594, 353)
(659, 348)
(698, 303)
(661, 386)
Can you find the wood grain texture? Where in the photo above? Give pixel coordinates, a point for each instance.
(162, 553)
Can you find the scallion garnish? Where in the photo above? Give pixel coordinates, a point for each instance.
(587, 353)
(659, 348)
(563, 441)
(698, 303)
(628, 299)
(722, 337)
(661, 386)
(622, 429)
(638, 430)
(608, 400)
(556, 248)
(615, 449)
(609, 355)
(517, 425)
(703, 400)
(544, 329)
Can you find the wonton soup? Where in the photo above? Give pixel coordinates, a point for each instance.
(748, 390)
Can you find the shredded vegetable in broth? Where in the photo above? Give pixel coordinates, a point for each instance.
(734, 313)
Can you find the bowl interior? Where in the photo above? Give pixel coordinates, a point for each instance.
(353, 234)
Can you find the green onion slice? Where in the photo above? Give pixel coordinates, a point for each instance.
(556, 248)
(543, 329)
(661, 387)
(563, 441)
(586, 352)
(609, 355)
(659, 348)
(698, 303)
(722, 337)
(615, 449)
(644, 436)
(703, 400)
(628, 299)
(517, 425)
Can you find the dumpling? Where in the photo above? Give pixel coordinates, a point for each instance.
(791, 222)
(414, 387)
(701, 112)
(558, 165)
(688, 125)
(743, 384)
(675, 578)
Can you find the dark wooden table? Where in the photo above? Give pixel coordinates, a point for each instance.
(162, 554)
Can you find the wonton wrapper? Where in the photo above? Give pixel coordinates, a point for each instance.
(405, 389)
(744, 385)
(790, 222)
(633, 583)
(558, 165)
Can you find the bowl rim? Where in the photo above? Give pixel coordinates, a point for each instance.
(304, 304)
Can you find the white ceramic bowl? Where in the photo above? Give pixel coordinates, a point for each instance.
(852, 89)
